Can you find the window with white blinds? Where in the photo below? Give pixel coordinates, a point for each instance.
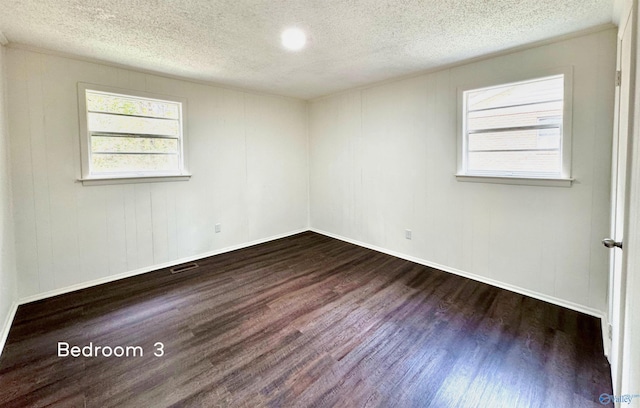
(131, 136)
(516, 130)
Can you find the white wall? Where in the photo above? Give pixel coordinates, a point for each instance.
(247, 155)
(8, 285)
(383, 159)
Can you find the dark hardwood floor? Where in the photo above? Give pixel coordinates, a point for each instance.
(304, 321)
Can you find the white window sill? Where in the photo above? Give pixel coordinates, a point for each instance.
(523, 181)
(100, 181)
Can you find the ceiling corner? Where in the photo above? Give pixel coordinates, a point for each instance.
(619, 7)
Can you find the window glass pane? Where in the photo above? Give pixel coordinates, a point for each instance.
(515, 129)
(518, 161)
(129, 105)
(104, 122)
(116, 163)
(549, 138)
(533, 139)
(133, 144)
(544, 89)
(130, 135)
(527, 115)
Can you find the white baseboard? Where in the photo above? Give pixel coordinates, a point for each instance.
(606, 341)
(151, 268)
(540, 296)
(536, 295)
(6, 326)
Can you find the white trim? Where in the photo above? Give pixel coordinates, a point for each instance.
(152, 268)
(307, 129)
(131, 180)
(4, 333)
(525, 181)
(501, 80)
(85, 148)
(254, 91)
(484, 57)
(219, 85)
(516, 289)
(536, 295)
(606, 341)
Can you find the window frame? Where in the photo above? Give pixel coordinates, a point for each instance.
(564, 179)
(129, 177)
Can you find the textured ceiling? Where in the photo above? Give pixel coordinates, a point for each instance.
(237, 42)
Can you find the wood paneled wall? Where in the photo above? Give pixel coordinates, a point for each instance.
(247, 154)
(383, 159)
(8, 278)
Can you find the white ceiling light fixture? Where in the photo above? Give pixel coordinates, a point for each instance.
(293, 39)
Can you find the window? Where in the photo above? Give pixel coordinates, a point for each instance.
(517, 131)
(130, 136)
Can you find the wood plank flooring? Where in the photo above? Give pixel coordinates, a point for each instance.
(304, 321)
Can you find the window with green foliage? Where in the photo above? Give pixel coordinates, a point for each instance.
(130, 135)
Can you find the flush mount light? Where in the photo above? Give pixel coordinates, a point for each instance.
(293, 39)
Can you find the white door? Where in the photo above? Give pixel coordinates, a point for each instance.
(620, 171)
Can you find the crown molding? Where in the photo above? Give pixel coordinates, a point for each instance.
(536, 44)
(98, 61)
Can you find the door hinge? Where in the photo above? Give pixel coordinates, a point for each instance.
(618, 78)
(610, 331)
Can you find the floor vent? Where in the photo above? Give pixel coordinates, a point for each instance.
(184, 268)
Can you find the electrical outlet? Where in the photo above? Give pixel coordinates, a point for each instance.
(218, 228)
(407, 234)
